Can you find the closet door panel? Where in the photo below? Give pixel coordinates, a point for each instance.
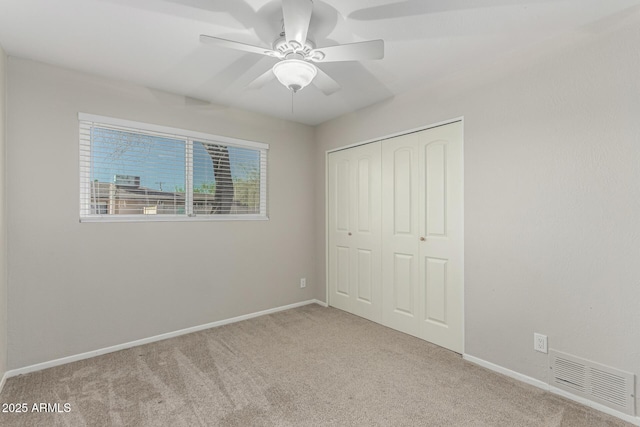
(364, 279)
(403, 181)
(442, 250)
(354, 230)
(403, 278)
(436, 189)
(400, 266)
(435, 284)
(364, 189)
(366, 231)
(339, 172)
(342, 205)
(343, 271)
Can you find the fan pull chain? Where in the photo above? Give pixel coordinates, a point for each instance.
(292, 92)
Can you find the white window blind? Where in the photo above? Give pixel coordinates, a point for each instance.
(136, 171)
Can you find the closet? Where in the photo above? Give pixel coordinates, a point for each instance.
(395, 233)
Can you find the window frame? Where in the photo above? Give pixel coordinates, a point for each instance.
(189, 137)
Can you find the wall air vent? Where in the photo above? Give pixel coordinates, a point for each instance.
(598, 383)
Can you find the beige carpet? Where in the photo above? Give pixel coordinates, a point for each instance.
(309, 366)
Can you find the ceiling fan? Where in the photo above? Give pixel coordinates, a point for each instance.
(297, 54)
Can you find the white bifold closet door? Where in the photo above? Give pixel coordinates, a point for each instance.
(354, 230)
(422, 235)
(395, 231)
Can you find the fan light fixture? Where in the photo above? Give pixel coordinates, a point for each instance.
(298, 53)
(295, 74)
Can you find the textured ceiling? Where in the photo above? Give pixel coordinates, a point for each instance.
(155, 43)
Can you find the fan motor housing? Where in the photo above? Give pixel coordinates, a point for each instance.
(288, 48)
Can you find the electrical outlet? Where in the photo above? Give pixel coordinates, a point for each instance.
(303, 282)
(540, 343)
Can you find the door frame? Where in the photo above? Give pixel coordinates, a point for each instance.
(326, 203)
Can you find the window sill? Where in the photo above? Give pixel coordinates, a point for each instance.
(172, 218)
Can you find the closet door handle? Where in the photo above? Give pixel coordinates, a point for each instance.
(349, 233)
(422, 239)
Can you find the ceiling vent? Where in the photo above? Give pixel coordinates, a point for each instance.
(610, 387)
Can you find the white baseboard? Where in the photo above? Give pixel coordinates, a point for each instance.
(111, 349)
(541, 384)
(508, 372)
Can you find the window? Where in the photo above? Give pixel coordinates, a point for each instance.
(135, 171)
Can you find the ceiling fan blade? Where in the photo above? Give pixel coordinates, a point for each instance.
(373, 49)
(297, 15)
(230, 44)
(409, 8)
(262, 80)
(325, 83)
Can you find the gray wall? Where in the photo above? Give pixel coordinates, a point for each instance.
(552, 195)
(79, 287)
(3, 222)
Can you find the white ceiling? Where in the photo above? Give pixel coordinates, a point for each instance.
(155, 43)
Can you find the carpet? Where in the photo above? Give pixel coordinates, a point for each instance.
(309, 366)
